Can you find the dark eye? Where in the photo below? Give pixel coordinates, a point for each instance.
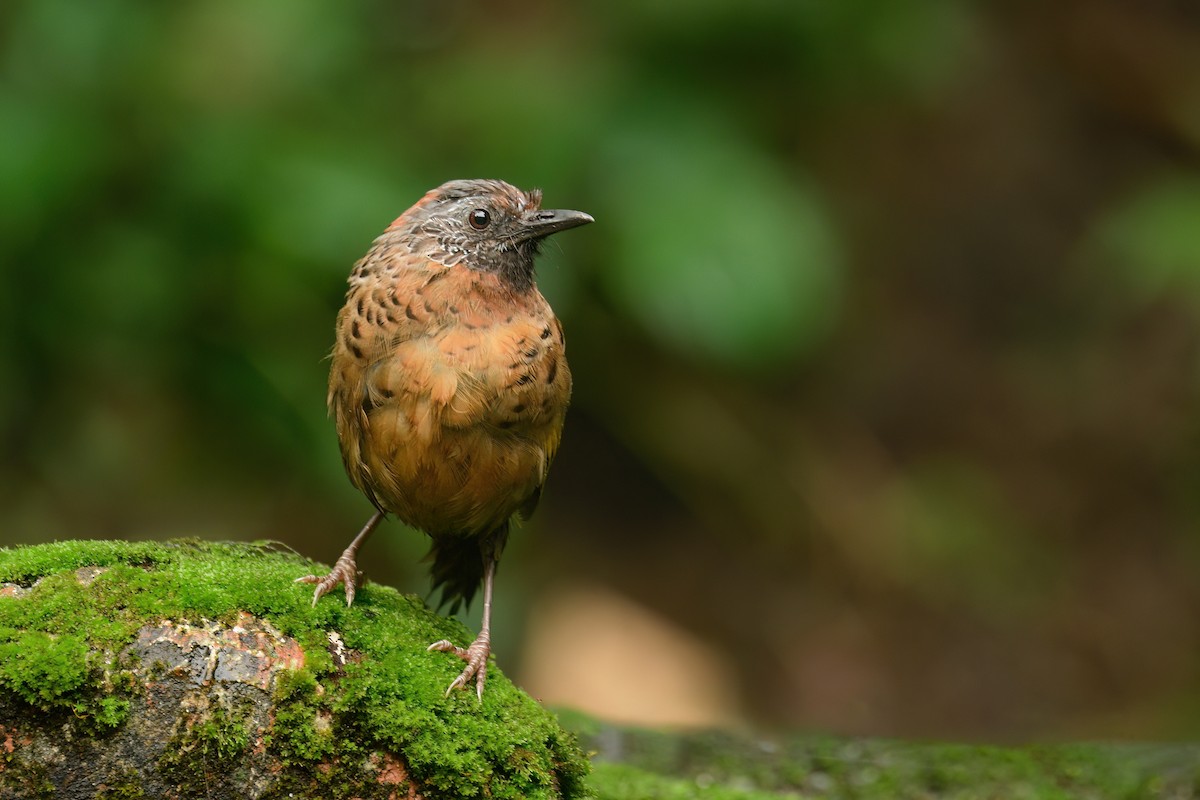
(479, 219)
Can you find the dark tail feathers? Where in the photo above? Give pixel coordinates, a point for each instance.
(458, 565)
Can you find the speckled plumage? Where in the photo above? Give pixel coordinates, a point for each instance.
(449, 382)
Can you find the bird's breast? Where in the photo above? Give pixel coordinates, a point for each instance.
(450, 409)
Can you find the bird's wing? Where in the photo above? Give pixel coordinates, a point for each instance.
(378, 379)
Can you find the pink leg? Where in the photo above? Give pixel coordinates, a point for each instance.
(345, 571)
(476, 655)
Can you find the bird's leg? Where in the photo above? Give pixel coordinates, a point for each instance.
(345, 571)
(476, 654)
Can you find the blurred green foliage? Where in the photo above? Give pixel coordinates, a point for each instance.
(733, 262)
(1151, 235)
(887, 329)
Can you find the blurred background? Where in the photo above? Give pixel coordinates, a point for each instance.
(885, 339)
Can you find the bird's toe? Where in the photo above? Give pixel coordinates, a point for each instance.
(344, 572)
(476, 657)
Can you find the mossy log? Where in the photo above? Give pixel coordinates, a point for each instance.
(189, 669)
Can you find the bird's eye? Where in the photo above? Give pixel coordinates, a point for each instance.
(479, 219)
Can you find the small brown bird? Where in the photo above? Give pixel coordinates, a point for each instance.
(449, 385)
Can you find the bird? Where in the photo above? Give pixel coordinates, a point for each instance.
(449, 386)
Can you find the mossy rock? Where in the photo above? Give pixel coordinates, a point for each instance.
(190, 669)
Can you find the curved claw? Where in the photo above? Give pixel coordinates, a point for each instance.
(345, 572)
(476, 657)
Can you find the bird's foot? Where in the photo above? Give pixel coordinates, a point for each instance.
(345, 572)
(476, 656)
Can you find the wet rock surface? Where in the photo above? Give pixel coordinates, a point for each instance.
(200, 716)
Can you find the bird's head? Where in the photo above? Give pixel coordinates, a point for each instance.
(486, 225)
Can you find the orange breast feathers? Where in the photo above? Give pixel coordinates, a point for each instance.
(449, 393)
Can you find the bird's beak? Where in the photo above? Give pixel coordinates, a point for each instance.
(543, 222)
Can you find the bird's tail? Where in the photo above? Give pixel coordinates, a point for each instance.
(458, 565)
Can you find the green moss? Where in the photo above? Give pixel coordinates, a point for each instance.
(43, 670)
(723, 765)
(622, 782)
(213, 746)
(31, 780)
(58, 646)
(303, 730)
(128, 787)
